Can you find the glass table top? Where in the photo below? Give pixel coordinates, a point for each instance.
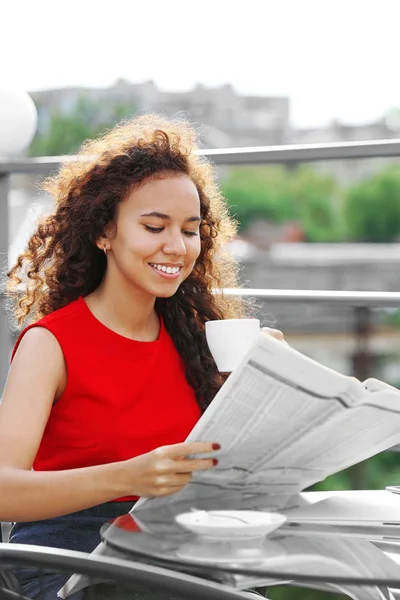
(312, 552)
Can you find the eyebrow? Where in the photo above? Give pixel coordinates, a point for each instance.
(159, 215)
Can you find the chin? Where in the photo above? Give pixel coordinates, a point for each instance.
(166, 293)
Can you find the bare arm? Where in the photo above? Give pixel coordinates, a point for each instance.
(35, 380)
(35, 376)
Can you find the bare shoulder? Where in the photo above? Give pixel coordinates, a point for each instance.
(36, 376)
(39, 354)
(38, 337)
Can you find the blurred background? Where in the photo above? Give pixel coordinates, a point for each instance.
(254, 73)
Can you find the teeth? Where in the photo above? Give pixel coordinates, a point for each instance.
(166, 269)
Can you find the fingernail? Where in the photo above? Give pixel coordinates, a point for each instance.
(216, 447)
(215, 462)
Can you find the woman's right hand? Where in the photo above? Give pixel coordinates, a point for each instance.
(166, 470)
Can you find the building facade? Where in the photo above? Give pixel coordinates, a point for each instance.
(224, 118)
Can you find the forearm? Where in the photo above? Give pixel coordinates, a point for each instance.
(34, 495)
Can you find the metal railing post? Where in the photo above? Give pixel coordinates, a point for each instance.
(5, 334)
(362, 359)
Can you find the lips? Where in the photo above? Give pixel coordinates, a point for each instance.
(166, 268)
(168, 272)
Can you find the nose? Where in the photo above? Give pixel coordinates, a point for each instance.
(175, 244)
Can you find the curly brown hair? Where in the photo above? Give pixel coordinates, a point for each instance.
(62, 261)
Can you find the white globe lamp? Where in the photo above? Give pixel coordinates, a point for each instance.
(18, 121)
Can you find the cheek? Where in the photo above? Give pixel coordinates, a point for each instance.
(135, 243)
(195, 249)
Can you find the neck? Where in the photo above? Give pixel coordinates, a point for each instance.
(124, 309)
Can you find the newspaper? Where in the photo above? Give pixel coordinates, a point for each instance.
(284, 423)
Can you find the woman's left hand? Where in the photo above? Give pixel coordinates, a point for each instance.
(275, 333)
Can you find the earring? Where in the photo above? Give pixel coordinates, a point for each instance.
(105, 250)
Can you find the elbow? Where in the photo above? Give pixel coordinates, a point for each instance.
(13, 505)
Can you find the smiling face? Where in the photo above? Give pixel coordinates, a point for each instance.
(156, 241)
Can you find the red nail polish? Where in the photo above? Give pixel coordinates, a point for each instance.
(216, 447)
(215, 462)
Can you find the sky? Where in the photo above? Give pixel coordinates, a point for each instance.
(335, 59)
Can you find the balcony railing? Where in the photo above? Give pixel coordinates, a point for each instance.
(286, 155)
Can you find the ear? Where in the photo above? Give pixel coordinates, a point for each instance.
(103, 243)
(104, 240)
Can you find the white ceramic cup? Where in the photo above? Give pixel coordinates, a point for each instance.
(229, 340)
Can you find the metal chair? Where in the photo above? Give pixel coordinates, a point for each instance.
(5, 528)
(97, 568)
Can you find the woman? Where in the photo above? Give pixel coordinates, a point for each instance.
(112, 370)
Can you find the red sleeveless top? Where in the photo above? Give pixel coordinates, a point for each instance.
(123, 397)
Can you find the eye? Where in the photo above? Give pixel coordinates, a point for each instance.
(190, 233)
(153, 229)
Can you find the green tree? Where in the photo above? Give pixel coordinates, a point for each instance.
(314, 195)
(371, 207)
(258, 193)
(278, 194)
(66, 132)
